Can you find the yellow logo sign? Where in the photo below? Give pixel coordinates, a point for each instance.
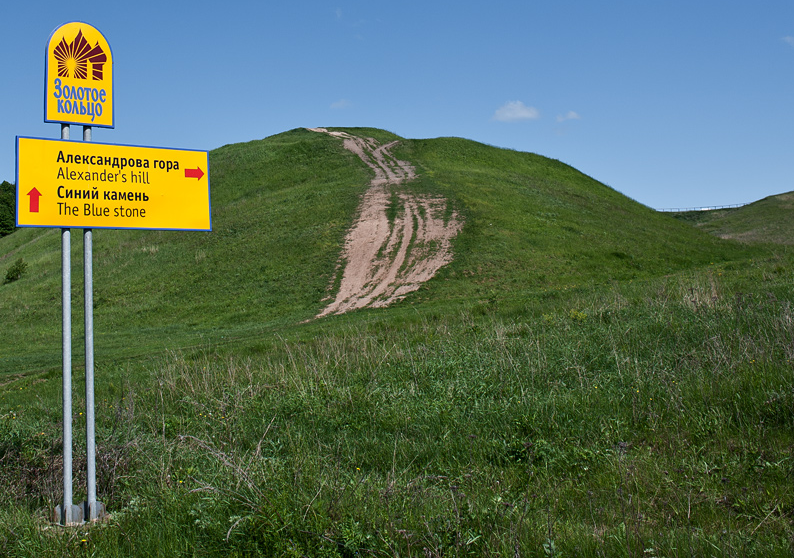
(79, 77)
(95, 185)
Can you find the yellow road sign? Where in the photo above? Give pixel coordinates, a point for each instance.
(78, 83)
(70, 184)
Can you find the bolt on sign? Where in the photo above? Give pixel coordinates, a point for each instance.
(78, 83)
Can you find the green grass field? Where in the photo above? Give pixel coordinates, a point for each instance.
(765, 221)
(587, 378)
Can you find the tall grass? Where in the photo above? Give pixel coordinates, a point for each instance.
(648, 418)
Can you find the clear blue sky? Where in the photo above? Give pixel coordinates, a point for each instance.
(675, 103)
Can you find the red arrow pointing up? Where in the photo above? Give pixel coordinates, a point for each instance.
(194, 173)
(34, 200)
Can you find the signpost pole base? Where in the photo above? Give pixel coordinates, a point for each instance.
(95, 511)
(73, 515)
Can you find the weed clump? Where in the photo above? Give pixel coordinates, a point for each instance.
(16, 271)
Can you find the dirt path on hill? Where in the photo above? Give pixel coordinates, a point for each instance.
(398, 241)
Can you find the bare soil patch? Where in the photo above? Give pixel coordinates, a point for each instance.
(385, 258)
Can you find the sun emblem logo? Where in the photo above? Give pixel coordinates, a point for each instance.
(73, 58)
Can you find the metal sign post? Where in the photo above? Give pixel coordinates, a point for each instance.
(88, 185)
(67, 513)
(78, 89)
(92, 509)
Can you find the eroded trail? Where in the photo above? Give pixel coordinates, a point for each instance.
(386, 258)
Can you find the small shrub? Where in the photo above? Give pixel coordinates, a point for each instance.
(16, 271)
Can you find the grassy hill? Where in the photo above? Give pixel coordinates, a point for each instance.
(766, 221)
(588, 377)
(534, 223)
(281, 207)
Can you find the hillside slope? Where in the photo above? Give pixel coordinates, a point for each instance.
(535, 225)
(770, 220)
(281, 208)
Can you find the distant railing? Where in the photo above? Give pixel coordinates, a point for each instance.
(709, 208)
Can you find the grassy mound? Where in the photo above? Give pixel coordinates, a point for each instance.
(281, 207)
(587, 378)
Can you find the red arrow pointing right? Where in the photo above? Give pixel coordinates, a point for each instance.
(34, 200)
(194, 173)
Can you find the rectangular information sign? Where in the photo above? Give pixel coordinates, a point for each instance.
(68, 184)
